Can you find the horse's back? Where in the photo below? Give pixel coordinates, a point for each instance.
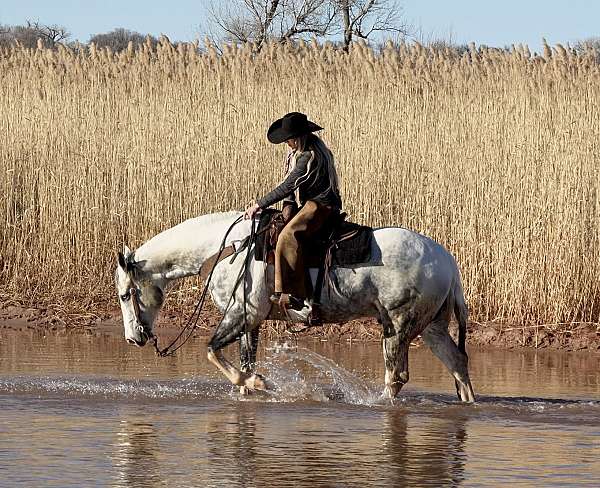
(410, 259)
(398, 243)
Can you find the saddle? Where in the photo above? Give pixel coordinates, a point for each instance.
(339, 244)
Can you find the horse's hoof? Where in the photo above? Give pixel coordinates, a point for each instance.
(256, 382)
(390, 392)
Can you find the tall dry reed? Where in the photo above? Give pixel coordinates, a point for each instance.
(492, 153)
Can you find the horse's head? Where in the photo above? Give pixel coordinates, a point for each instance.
(140, 298)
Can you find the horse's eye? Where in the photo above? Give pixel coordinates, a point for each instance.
(125, 296)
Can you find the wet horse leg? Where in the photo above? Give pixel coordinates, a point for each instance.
(239, 378)
(231, 329)
(437, 337)
(397, 329)
(248, 346)
(395, 355)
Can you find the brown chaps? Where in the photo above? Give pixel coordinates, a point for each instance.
(289, 256)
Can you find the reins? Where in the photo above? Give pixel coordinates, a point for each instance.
(194, 317)
(247, 259)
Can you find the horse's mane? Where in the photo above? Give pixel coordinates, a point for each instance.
(217, 217)
(164, 239)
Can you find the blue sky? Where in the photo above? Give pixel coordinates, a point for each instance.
(495, 23)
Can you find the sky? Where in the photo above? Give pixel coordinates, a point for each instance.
(494, 23)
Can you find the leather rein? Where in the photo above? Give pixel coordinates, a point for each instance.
(206, 272)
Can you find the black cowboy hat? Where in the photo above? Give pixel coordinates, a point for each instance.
(294, 124)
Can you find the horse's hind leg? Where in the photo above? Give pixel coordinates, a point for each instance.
(437, 337)
(395, 355)
(248, 347)
(397, 330)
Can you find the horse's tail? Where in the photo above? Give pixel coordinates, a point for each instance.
(461, 313)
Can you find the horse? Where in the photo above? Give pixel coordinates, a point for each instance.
(411, 285)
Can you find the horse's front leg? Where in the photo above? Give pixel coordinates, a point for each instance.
(233, 326)
(248, 347)
(230, 330)
(247, 381)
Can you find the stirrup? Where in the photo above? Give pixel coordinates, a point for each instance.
(285, 301)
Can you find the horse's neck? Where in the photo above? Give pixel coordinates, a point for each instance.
(180, 251)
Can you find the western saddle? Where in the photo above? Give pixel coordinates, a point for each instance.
(339, 244)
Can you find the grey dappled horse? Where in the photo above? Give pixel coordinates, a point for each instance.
(412, 286)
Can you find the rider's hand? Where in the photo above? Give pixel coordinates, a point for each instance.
(250, 211)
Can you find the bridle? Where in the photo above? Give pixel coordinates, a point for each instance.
(186, 332)
(133, 293)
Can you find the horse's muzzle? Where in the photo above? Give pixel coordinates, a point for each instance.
(142, 339)
(135, 342)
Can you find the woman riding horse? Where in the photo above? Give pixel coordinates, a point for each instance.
(411, 284)
(310, 194)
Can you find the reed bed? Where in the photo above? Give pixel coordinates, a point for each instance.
(492, 153)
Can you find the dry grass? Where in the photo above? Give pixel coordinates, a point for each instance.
(493, 154)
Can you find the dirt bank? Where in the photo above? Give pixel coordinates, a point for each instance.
(582, 337)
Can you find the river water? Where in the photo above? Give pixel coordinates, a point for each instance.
(89, 410)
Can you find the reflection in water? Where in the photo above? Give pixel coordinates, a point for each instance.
(111, 415)
(423, 454)
(136, 455)
(231, 447)
(312, 448)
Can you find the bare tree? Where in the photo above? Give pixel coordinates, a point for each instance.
(118, 39)
(259, 21)
(246, 20)
(590, 46)
(363, 18)
(50, 34)
(4, 35)
(28, 35)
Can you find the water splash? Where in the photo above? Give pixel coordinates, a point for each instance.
(329, 381)
(111, 388)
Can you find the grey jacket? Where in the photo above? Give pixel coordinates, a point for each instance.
(311, 181)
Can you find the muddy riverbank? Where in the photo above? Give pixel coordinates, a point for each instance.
(575, 338)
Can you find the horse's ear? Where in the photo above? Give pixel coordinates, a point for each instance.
(126, 259)
(122, 261)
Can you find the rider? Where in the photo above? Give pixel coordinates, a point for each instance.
(311, 187)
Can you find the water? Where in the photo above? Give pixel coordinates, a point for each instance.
(89, 410)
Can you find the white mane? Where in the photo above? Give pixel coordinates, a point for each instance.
(187, 242)
(185, 231)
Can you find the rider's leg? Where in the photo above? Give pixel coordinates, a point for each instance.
(289, 259)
